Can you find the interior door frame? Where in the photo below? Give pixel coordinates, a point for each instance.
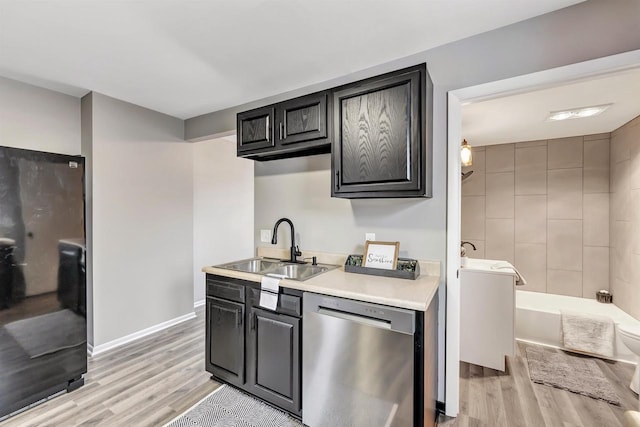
(456, 99)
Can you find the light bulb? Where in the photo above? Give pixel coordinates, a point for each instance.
(466, 157)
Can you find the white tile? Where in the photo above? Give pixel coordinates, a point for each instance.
(473, 219)
(634, 204)
(564, 244)
(531, 170)
(499, 241)
(620, 145)
(531, 219)
(564, 194)
(596, 136)
(499, 189)
(596, 219)
(500, 158)
(562, 282)
(620, 189)
(531, 262)
(474, 184)
(623, 250)
(528, 144)
(565, 153)
(595, 272)
(596, 166)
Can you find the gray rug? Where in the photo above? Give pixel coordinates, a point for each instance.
(576, 374)
(227, 407)
(46, 334)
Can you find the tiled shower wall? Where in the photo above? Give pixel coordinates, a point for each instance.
(543, 206)
(625, 217)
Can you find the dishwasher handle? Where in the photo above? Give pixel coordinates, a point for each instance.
(380, 316)
(377, 323)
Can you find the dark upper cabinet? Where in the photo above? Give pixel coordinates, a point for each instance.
(382, 138)
(225, 339)
(291, 128)
(255, 129)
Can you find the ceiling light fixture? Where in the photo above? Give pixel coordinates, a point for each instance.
(577, 113)
(466, 156)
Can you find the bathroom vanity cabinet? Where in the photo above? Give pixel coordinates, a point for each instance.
(487, 313)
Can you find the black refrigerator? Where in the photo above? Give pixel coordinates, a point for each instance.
(43, 321)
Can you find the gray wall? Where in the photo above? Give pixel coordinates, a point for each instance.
(543, 206)
(300, 189)
(38, 119)
(222, 208)
(625, 217)
(142, 212)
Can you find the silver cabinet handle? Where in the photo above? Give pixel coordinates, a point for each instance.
(267, 128)
(281, 130)
(377, 323)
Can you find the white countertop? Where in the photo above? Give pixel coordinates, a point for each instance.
(411, 294)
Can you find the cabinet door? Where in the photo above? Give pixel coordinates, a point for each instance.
(225, 340)
(379, 147)
(255, 129)
(302, 119)
(274, 363)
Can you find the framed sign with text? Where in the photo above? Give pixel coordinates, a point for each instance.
(382, 255)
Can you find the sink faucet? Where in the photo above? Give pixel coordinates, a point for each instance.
(463, 251)
(295, 252)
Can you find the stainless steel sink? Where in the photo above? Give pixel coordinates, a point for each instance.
(299, 271)
(287, 269)
(255, 265)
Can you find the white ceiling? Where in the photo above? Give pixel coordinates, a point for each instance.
(188, 57)
(523, 117)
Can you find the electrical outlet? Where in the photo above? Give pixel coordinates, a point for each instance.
(265, 236)
(370, 236)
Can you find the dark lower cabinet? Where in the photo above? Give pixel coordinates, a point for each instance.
(253, 348)
(225, 340)
(273, 350)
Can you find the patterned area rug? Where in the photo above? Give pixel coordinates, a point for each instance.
(579, 375)
(227, 407)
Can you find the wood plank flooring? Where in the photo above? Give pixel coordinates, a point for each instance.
(151, 381)
(492, 398)
(145, 383)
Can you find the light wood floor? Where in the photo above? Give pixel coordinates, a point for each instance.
(492, 398)
(146, 383)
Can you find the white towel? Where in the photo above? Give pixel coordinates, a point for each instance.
(269, 291)
(588, 333)
(520, 281)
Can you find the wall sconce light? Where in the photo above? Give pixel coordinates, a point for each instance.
(465, 154)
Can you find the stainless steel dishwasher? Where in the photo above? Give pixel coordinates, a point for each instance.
(357, 363)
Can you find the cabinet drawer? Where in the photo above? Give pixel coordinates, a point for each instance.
(287, 304)
(225, 290)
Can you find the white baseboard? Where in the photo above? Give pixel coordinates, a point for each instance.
(199, 303)
(101, 348)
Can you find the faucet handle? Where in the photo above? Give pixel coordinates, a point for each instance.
(297, 251)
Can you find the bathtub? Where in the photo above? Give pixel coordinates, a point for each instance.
(538, 319)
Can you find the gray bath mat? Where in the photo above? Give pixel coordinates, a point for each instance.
(228, 407)
(576, 374)
(49, 333)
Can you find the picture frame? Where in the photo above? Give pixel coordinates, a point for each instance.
(382, 255)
